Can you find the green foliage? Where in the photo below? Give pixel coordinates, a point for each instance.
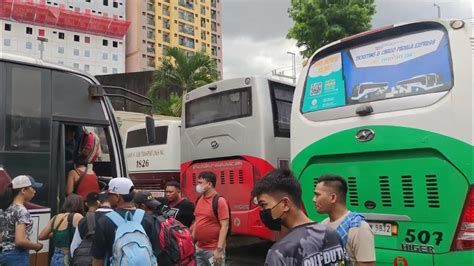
(320, 22)
(180, 73)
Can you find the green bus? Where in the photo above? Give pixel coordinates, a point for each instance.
(405, 148)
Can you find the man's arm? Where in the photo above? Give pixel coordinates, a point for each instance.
(363, 245)
(223, 233)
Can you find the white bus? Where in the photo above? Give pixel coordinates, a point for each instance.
(239, 129)
(151, 165)
(407, 156)
(38, 101)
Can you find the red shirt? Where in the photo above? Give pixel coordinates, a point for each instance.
(206, 226)
(88, 184)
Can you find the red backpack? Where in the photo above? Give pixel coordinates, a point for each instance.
(176, 241)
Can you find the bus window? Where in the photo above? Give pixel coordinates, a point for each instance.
(28, 108)
(138, 138)
(391, 66)
(220, 106)
(282, 98)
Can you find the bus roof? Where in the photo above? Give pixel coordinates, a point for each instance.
(236, 81)
(38, 62)
(444, 22)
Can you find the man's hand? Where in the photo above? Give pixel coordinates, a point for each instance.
(218, 256)
(39, 247)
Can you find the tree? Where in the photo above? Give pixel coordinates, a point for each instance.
(320, 22)
(180, 73)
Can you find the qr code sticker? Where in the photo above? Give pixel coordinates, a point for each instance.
(316, 88)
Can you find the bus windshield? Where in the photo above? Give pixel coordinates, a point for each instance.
(220, 106)
(405, 65)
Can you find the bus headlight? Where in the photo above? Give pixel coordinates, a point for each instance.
(457, 24)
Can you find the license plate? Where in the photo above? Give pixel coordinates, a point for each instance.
(383, 229)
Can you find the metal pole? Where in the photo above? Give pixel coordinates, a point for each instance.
(439, 9)
(293, 66)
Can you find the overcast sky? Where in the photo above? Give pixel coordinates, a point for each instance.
(254, 31)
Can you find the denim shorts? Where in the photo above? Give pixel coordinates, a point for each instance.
(15, 257)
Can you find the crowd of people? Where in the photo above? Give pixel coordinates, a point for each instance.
(120, 224)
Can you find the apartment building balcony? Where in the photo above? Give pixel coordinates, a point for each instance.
(38, 13)
(186, 3)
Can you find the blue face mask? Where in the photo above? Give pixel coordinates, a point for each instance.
(267, 218)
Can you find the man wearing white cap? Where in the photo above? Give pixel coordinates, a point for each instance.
(16, 224)
(121, 192)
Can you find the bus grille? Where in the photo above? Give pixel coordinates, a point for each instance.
(194, 179)
(353, 194)
(386, 197)
(388, 190)
(432, 191)
(407, 190)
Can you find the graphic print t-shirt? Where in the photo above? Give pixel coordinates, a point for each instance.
(15, 214)
(310, 244)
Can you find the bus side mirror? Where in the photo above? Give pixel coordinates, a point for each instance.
(150, 129)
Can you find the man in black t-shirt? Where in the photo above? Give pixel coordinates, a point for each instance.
(121, 193)
(307, 243)
(175, 206)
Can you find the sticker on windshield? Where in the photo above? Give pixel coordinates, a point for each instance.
(324, 85)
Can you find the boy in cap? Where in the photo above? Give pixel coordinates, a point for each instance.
(121, 192)
(145, 201)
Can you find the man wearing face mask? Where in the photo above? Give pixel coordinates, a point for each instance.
(307, 243)
(208, 230)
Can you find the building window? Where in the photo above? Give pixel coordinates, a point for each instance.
(88, 1)
(87, 53)
(8, 27)
(29, 45)
(105, 56)
(41, 32)
(61, 35)
(77, 38)
(114, 70)
(60, 50)
(6, 42)
(76, 52)
(115, 57)
(115, 44)
(61, 62)
(87, 39)
(29, 30)
(87, 68)
(104, 69)
(115, 4)
(106, 2)
(105, 42)
(76, 65)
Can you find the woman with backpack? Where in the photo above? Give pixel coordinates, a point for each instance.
(82, 179)
(61, 229)
(16, 224)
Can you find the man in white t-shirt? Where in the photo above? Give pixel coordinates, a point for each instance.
(330, 198)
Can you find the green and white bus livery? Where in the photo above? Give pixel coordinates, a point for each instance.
(405, 149)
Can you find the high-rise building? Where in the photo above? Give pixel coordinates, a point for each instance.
(84, 34)
(192, 25)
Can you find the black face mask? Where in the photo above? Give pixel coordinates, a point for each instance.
(268, 221)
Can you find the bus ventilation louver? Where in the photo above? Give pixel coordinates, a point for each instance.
(432, 191)
(407, 190)
(353, 194)
(222, 178)
(231, 177)
(241, 177)
(194, 179)
(386, 197)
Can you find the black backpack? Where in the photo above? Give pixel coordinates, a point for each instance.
(82, 254)
(215, 205)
